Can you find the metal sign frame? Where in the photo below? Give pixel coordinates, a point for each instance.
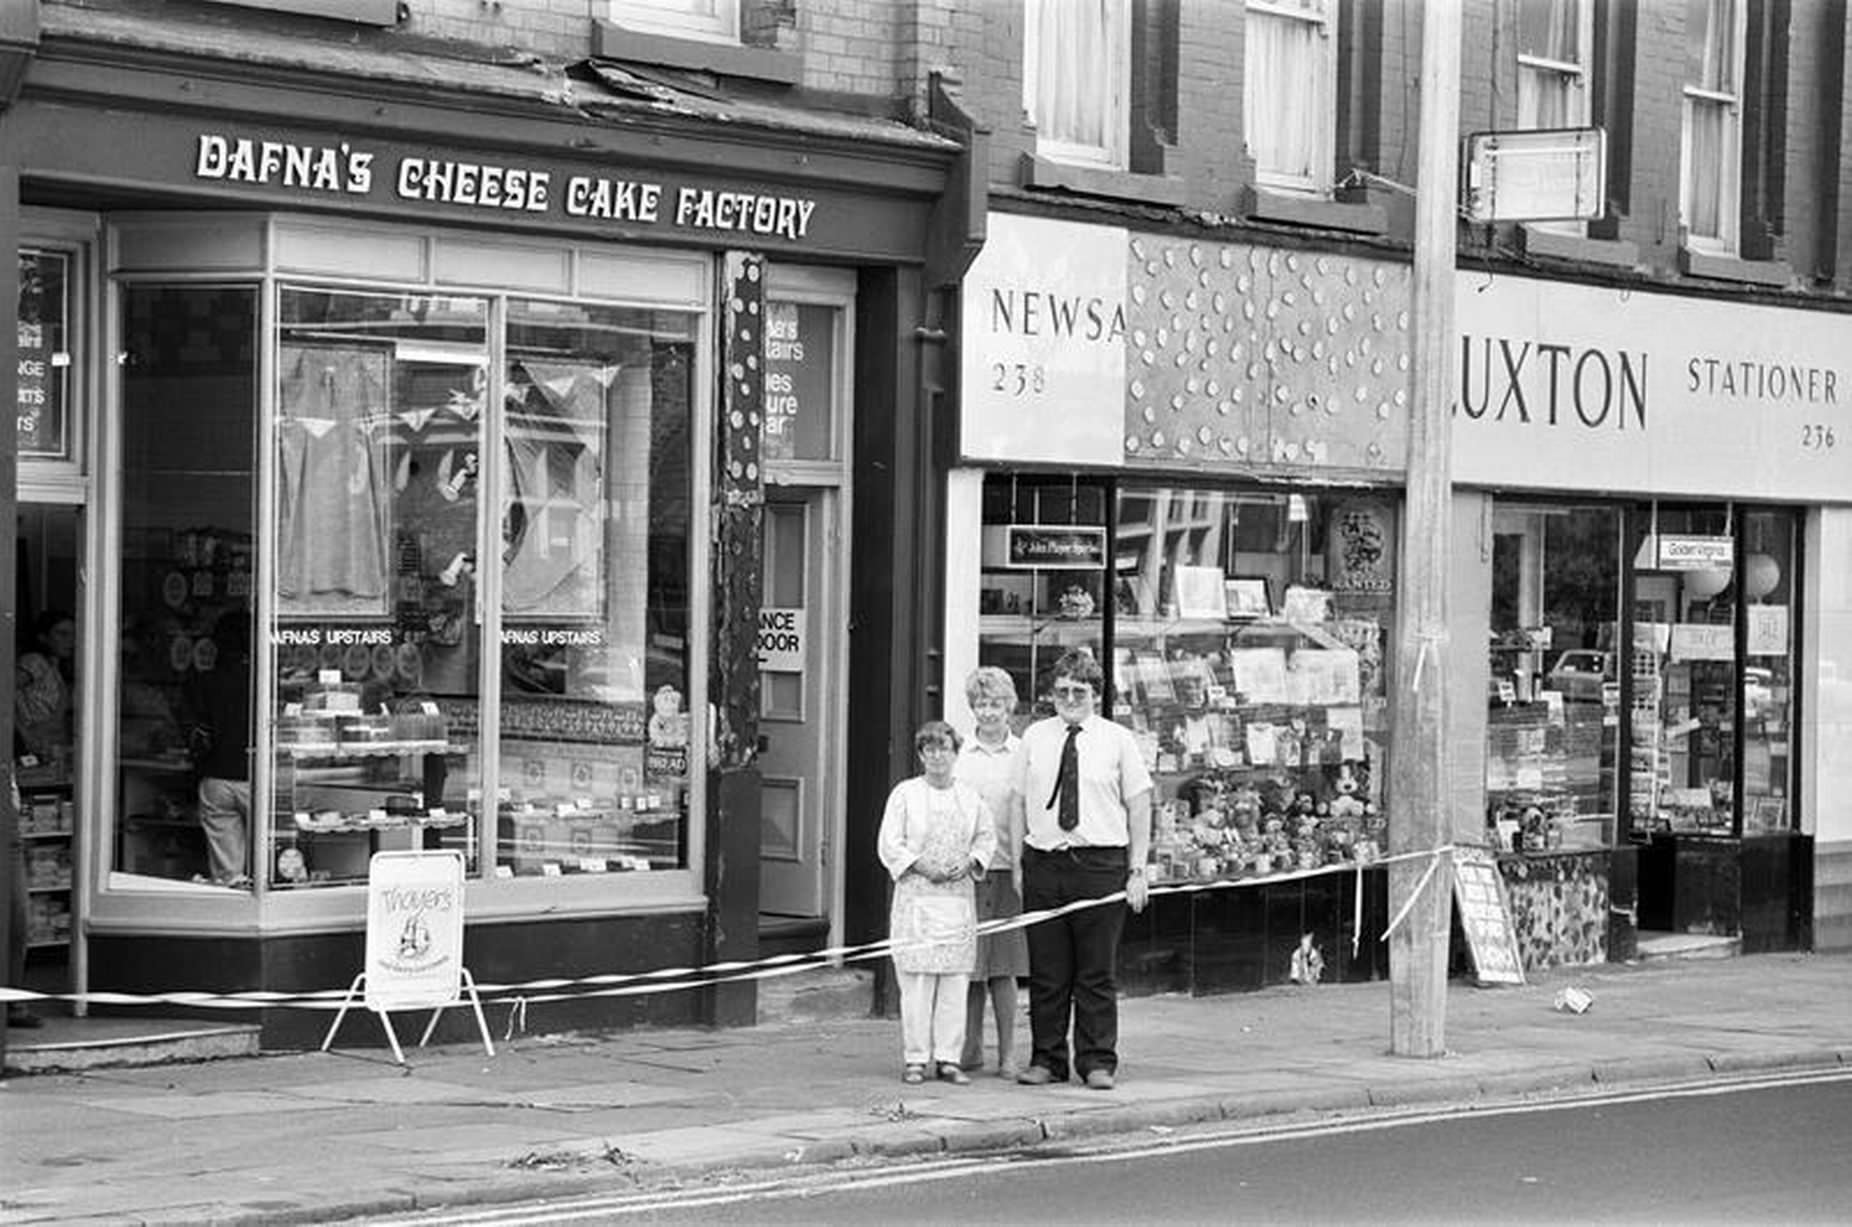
(1535, 175)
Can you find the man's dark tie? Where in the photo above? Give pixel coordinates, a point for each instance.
(1067, 782)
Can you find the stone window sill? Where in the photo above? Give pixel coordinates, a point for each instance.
(1773, 273)
(1290, 209)
(1044, 173)
(612, 41)
(1578, 248)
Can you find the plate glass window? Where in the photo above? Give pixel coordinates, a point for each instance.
(594, 525)
(379, 429)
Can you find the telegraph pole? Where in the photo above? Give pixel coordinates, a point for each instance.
(1419, 776)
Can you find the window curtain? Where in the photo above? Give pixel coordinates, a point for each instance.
(1068, 71)
(333, 480)
(1547, 96)
(1280, 95)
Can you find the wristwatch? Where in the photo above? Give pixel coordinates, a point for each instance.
(1136, 871)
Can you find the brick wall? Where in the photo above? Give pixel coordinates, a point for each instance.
(853, 46)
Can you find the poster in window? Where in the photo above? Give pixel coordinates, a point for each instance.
(1200, 593)
(44, 362)
(800, 345)
(1768, 630)
(1361, 549)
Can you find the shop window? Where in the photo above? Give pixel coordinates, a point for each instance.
(1553, 721)
(379, 447)
(594, 527)
(1711, 142)
(1077, 79)
(1713, 663)
(188, 443)
(1042, 585)
(1244, 639)
(1247, 656)
(1766, 575)
(1289, 92)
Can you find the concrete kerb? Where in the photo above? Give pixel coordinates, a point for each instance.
(1792, 1059)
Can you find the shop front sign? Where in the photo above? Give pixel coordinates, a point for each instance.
(346, 169)
(1685, 553)
(414, 930)
(1044, 343)
(1045, 547)
(1572, 387)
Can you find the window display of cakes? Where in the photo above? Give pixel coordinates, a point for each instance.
(330, 720)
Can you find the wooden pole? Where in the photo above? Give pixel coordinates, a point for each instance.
(1418, 778)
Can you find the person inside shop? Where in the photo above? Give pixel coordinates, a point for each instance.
(936, 837)
(1002, 957)
(42, 695)
(1081, 815)
(220, 739)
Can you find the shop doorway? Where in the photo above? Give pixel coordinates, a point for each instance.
(47, 738)
(800, 710)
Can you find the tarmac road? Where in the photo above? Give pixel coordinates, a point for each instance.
(1762, 1150)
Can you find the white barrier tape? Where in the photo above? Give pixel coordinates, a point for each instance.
(669, 979)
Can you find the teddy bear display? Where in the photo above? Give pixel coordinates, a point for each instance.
(1237, 824)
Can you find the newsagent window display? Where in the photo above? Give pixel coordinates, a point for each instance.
(1248, 658)
(1245, 638)
(400, 463)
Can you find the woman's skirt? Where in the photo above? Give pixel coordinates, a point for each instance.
(1005, 953)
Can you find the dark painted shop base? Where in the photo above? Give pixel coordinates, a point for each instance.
(1242, 937)
(494, 953)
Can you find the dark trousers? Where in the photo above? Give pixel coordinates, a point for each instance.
(1073, 958)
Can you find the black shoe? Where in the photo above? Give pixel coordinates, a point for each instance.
(19, 1016)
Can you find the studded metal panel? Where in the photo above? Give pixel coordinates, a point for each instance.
(1265, 358)
(739, 502)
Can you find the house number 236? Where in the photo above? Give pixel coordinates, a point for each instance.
(1817, 438)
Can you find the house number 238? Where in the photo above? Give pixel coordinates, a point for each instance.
(1017, 378)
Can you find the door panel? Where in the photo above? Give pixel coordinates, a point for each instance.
(797, 716)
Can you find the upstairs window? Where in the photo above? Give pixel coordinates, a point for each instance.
(1711, 149)
(711, 19)
(1554, 37)
(1288, 98)
(1076, 75)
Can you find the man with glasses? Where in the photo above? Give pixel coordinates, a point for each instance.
(1081, 815)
